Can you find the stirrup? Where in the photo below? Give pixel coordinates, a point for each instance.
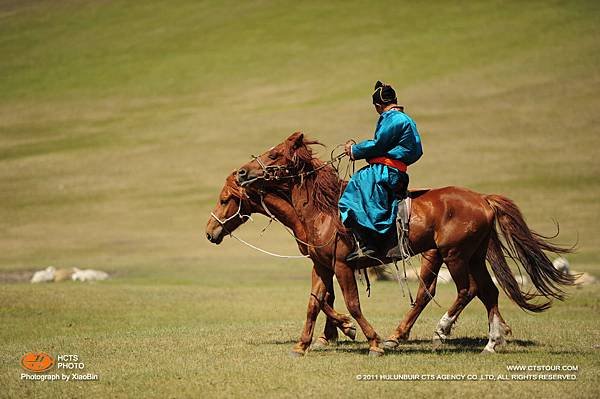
(365, 252)
(363, 249)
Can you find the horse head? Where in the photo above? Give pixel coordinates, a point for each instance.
(239, 198)
(280, 164)
(233, 209)
(286, 168)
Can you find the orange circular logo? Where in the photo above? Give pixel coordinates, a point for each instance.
(37, 362)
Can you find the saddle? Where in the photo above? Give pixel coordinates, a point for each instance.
(401, 251)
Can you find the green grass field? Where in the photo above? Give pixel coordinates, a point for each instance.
(119, 122)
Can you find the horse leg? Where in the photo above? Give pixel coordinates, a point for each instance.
(345, 277)
(317, 295)
(444, 327)
(466, 289)
(330, 332)
(322, 282)
(431, 262)
(488, 294)
(334, 321)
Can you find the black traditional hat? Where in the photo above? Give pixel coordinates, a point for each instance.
(384, 94)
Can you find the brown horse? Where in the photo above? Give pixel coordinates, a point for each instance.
(235, 206)
(452, 225)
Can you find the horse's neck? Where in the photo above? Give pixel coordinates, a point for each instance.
(295, 212)
(302, 201)
(285, 213)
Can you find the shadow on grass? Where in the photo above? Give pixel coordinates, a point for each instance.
(452, 345)
(274, 342)
(418, 346)
(479, 342)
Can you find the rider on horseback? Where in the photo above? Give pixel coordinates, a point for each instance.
(370, 202)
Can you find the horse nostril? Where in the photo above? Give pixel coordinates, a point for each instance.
(208, 237)
(241, 174)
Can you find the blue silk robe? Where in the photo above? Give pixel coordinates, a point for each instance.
(368, 200)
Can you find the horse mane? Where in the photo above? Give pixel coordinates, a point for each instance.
(327, 186)
(234, 188)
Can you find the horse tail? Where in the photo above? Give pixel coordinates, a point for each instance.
(526, 247)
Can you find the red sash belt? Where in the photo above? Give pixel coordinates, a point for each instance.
(394, 163)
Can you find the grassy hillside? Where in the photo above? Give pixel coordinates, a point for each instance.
(120, 120)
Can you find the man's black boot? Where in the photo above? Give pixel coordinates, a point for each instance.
(363, 248)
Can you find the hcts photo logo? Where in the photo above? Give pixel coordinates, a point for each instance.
(37, 362)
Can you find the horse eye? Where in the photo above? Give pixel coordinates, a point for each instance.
(224, 201)
(273, 155)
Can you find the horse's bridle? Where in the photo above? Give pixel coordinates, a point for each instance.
(235, 215)
(270, 172)
(280, 172)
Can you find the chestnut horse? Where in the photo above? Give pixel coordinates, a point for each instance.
(235, 206)
(453, 225)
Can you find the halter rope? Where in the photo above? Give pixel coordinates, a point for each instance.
(238, 214)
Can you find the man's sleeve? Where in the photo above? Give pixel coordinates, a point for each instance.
(385, 139)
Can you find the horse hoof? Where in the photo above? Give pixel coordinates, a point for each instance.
(391, 343)
(376, 352)
(297, 353)
(439, 336)
(350, 332)
(438, 342)
(487, 351)
(320, 343)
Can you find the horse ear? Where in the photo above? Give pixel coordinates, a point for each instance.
(298, 141)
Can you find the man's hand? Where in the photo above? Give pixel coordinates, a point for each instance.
(348, 147)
